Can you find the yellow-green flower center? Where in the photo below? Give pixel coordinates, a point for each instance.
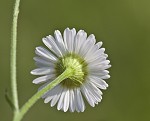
(79, 67)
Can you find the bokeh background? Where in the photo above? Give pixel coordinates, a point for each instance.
(124, 28)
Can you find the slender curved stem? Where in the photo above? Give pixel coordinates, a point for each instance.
(13, 57)
(67, 73)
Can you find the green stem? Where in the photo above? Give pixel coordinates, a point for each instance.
(67, 73)
(13, 57)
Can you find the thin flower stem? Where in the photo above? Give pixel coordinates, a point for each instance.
(67, 73)
(13, 57)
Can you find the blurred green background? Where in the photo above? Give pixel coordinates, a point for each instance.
(123, 26)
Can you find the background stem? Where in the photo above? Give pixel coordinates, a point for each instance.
(13, 57)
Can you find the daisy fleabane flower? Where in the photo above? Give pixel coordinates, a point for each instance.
(81, 53)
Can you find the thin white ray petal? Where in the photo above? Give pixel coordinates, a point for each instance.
(91, 94)
(61, 100)
(95, 54)
(49, 41)
(80, 102)
(99, 82)
(99, 73)
(72, 105)
(80, 38)
(98, 67)
(42, 86)
(50, 94)
(100, 58)
(66, 101)
(43, 62)
(95, 98)
(45, 54)
(54, 100)
(76, 100)
(95, 92)
(43, 79)
(91, 38)
(59, 41)
(105, 77)
(43, 71)
(104, 72)
(87, 95)
(99, 44)
(47, 94)
(67, 38)
(73, 35)
(101, 63)
(76, 41)
(87, 45)
(90, 52)
(96, 89)
(57, 96)
(47, 99)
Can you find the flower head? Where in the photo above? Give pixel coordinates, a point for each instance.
(83, 55)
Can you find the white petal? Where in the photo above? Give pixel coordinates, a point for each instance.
(98, 82)
(87, 95)
(47, 99)
(95, 89)
(105, 77)
(73, 33)
(91, 38)
(98, 59)
(76, 100)
(44, 85)
(66, 101)
(46, 93)
(43, 71)
(45, 54)
(42, 62)
(54, 100)
(99, 73)
(67, 38)
(50, 94)
(95, 92)
(99, 44)
(57, 96)
(61, 100)
(87, 45)
(49, 41)
(80, 38)
(72, 105)
(43, 79)
(90, 53)
(95, 54)
(99, 64)
(91, 95)
(59, 41)
(98, 67)
(80, 102)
